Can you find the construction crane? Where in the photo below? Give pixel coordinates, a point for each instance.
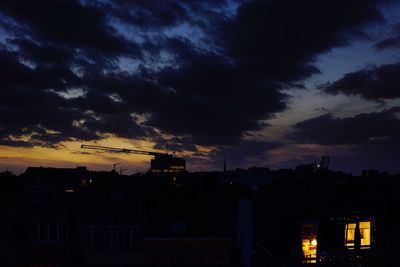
(123, 150)
(162, 162)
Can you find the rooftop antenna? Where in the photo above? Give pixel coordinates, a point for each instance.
(224, 164)
(327, 162)
(115, 165)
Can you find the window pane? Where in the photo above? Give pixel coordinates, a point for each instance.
(130, 234)
(350, 234)
(53, 232)
(21, 232)
(309, 242)
(34, 231)
(97, 238)
(365, 232)
(63, 232)
(43, 232)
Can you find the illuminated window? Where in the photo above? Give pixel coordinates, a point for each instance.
(350, 234)
(365, 234)
(309, 242)
(364, 237)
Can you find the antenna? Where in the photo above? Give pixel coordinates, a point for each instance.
(115, 164)
(224, 164)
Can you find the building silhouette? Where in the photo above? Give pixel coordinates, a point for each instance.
(254, 217)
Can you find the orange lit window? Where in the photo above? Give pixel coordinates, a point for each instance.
(350, 234)
(365, 233)
(364, 238)
(309, 242)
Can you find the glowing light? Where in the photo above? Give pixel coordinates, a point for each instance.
(365, 234)
(365, 231)
(309, 242)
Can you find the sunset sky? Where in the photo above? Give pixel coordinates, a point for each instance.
(260, 82)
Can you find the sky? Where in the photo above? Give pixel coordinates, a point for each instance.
(272, 83)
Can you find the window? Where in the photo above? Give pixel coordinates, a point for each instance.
(112, 237)
(130, 236)
(217, 258)
(178, 228)
(94, 237)
(309, 242)
(350, 234)
(48, 232)
(157, 259)
(197, 259)
(363, 237)
(365, 234)
(22, 232)
(44, 265)
(177, 259)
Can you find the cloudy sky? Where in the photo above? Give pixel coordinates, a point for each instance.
(261, 82)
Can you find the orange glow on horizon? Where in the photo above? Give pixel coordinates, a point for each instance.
(69, 154)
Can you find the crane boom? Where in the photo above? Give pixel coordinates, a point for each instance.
(162, 162)
(123, 150)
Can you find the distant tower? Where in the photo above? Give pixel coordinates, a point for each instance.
(327, 162)
(324, 163)
(224, 165)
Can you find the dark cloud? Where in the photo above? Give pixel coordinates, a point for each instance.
(321, 109)
(153, 14)
(34, 114)
(121, 124)
(391, 42)
(243, 154)
(150, 13)
(175, 144)
(44, 54)
(209, 93)
(212, 94)
(374, 83)
(281, 39)
(13, 143)
(67, 22)
(372, 129)
(365, 141)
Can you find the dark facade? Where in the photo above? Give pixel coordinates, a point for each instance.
(74, 217)
(255, 217)
(327, 219)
